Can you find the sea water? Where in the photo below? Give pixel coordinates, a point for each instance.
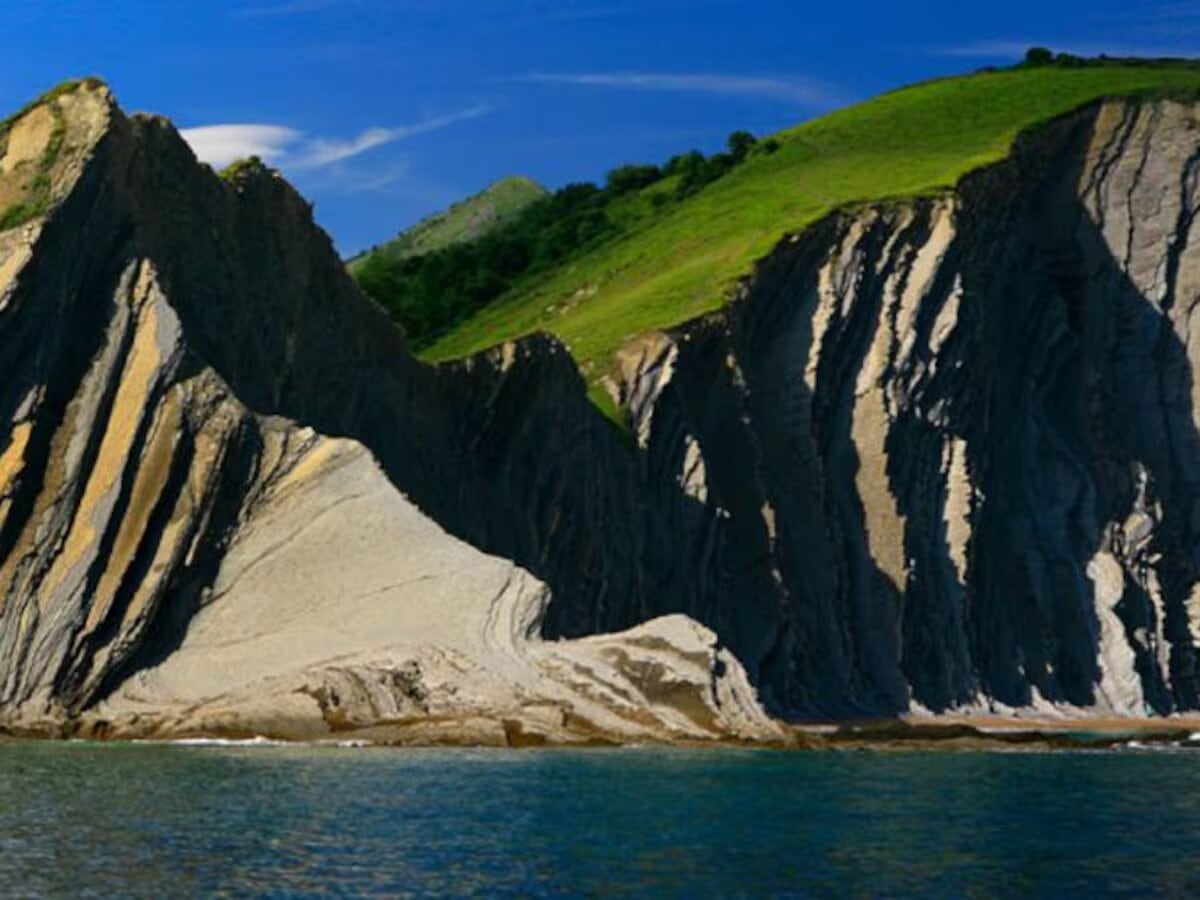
(103, 820)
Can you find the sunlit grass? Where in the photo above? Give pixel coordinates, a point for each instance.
(671, 264)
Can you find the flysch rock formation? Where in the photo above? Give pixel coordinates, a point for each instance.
(178, 558)
(337, 595)
(949, 447)
(937, 457)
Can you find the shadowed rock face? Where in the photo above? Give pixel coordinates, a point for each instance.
(947, 451)
(187, 545)
(935, 456)
(939, 455)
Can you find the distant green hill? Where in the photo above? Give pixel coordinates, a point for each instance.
(474, 217)
(662, 256)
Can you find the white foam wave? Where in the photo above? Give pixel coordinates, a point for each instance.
(255, 742)
(219, 742)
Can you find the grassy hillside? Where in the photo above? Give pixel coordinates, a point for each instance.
(465, 221)
(680, 259)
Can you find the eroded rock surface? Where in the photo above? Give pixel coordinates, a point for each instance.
(340, 609)
(936, 457)
(179, 557)
(949, 448)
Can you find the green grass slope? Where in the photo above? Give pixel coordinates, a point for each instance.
(491, 208)
(681, 260)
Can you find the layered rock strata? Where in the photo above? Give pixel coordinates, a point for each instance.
(938, 456)
(177, 560)
(948, 449)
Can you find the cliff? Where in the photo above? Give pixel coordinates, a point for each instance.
(195, 537)
(936, 456)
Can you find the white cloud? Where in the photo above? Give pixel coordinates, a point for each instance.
(220, 145)
(804, 92)
(351, 179)
(323, 151)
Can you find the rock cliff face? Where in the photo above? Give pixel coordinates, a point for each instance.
(936, 456)
(191, 541)
(967, 433)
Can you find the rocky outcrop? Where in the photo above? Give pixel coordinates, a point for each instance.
(937, 456)
(333, 607)
(951, 445)
(339, 609)
(184, 551)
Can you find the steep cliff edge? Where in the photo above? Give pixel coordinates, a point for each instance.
(939, 455)
(187, 545)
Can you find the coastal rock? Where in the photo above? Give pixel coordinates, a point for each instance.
(936, 457)
(339, 608)
(177, 558)
(958, 437)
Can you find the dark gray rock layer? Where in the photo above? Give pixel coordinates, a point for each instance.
(935, 455)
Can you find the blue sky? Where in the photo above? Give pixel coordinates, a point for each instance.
(382, 111)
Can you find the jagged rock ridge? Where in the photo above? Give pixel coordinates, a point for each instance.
(938, 455)
(942, 455)
(180, 555)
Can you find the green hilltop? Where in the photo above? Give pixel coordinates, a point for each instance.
(664, 246)
(491, 208)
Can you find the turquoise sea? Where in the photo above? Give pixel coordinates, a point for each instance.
(155, 821)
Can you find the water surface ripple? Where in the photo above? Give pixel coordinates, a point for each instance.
(104, 820)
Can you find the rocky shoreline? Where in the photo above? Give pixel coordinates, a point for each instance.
(894, 735)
